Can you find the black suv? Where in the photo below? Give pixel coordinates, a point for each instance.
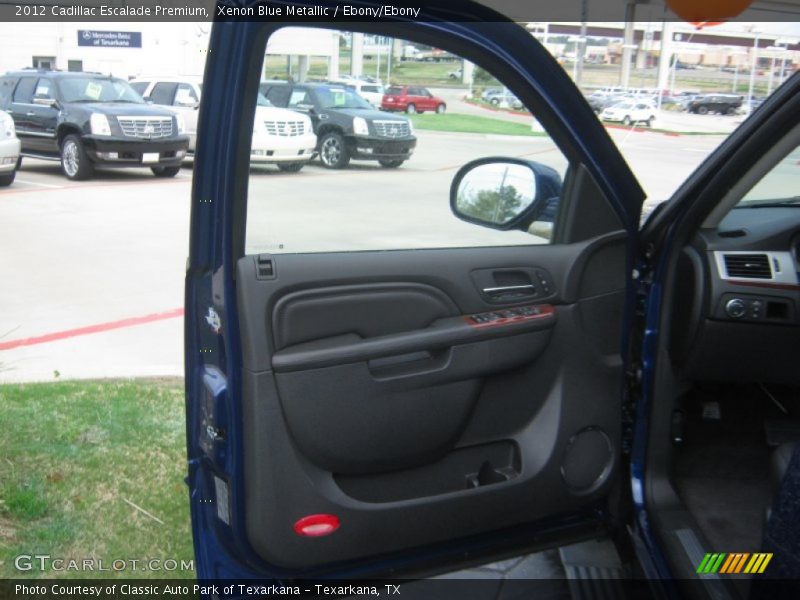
(347, 126)
(724, 104)
(88, 119)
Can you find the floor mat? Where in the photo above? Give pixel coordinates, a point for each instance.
(730, 513)
(722, 474)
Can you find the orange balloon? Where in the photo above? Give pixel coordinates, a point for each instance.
(704, 11)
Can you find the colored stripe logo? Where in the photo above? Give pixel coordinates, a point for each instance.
(734, 563)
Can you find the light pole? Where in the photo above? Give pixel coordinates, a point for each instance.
(753, 66)
(582, 44)
(389, 61)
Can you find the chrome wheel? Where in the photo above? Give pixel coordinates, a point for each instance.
(70, 158)
(331, 151)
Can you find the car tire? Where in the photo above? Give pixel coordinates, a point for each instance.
(7, 179)
(411, 108)
(731, 110)
(75, 163)
(390, 164)
(494, 102)
(440, 109)
(291, 167)
(333, 151)
(627, 121)
(702, 110)
(165, 171)
(649, 121)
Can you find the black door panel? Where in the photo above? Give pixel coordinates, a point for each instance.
(373, 422)
(367, 310)
(371, 394)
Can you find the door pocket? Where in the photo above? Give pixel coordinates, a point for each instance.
(464, 470)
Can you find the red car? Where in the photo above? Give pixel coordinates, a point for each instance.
(411, 99)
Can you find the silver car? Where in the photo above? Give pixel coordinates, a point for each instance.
(9, 150)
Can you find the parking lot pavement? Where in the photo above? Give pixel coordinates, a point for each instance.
(93, 271)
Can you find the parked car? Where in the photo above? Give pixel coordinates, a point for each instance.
(489, 92)
(371, 91)
(87, 120)
(9, 150)
(347, 126)
(724, 104)
(411, 99)
(630, 112)
(599, 102)
(456, 74)
(392, 412)
(178, 94)
(501, 97)
(280, 136)
(756, 102)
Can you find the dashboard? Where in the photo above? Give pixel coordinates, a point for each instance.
(737, 299)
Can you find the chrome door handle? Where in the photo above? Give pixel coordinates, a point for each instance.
(493, 291)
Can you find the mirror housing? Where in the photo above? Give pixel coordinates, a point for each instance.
(191, 104)
(505, 193)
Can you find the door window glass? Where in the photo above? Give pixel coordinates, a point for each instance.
(373, 180)
(163, 93)
(780, 185)
(6, 88)
(298, 96)
(44, 90)
(24, 91)
(278, 95)
(140, 87)
(185, 94)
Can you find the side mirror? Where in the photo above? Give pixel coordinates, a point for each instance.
(188, 104)
(45, 101)
(505, 193)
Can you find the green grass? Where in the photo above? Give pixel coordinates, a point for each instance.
(72, 453)
(470, 124)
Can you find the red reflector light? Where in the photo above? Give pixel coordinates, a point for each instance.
(316, 525)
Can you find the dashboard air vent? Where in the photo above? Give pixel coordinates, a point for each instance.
(748, 266)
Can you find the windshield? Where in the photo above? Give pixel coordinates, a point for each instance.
(778, 187)
(262, 100)
(624, 105)
(97, 89)
(340, 97)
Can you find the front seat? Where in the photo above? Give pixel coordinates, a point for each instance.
(782, 534)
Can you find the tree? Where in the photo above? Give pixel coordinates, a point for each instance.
(494, 206)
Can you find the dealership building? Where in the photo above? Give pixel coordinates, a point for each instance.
(123, 49)
(129, 49)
